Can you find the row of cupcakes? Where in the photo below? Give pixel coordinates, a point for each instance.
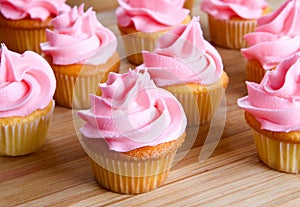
(271, 50)
(30, 81)
(142, 125)
(265, 37)
(170, 50)
(271, 106)
(74, 42)
(105, 5)
(78, 73)
(23, 24)
(269, 42)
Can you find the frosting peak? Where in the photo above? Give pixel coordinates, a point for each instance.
(190, 42)
(27, 83)
(183, 56)
(75, 31)
(277, 36)
(283, 21)
(132, 112)
(275, 102)
(225, 9)
(151, 16)
(42, 9)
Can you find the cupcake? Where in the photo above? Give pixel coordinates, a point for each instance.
(81, 52)
(131, 133)
(190, 68)
(23, 23)
(27, 85)
(276, 37)
(142, 22)
(272, 110)
(230, 20)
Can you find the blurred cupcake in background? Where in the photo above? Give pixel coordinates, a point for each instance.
(190, 68)
(81, 52)
(98, 5)
(23, 24)
(276, 37)
(142, 22)
(27, 85)
(189, 4)
(230, 20)
(131, 133)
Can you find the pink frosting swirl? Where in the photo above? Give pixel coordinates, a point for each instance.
(275, 102)
(151, 16)
(132, 112)
(42, 9)
(276, 37)
(78, 37)
(183, 56)
(27, 83)
(225, 9)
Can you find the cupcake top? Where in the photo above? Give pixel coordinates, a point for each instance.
(277, 36)
(27, 83)
(151, 16)
(132, 113)
(78, 37)
(40, 10)
(182, 56)
(225, 9)
(275, 102)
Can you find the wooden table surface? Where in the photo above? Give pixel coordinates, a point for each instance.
(59, 173)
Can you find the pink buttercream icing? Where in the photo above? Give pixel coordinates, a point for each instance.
(275, 102)
(78, 37)
(42, 9)
(183, 56)
(276, 37)
(225, 9)
(151, 16)
(27, 83)
(132, 112)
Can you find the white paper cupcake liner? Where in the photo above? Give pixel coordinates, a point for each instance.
(129, 176)
(74, 91)
(135, 43)
(278, 155)
(199, 108)
(254, 71)
(230, 33)
(24, 137)
(21, 40)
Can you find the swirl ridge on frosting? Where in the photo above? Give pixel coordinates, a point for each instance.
(183, 56)
(42, 9)
(151, 16)
(277, 36)
(132, 112)
(275, 102)
(27, 83)
(225, 9)
(76, 31)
